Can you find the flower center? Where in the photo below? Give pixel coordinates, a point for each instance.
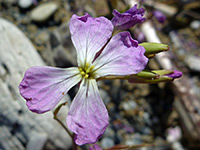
(87, 71)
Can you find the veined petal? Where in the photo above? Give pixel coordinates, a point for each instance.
(121, 56)
(89, 35)
(44, 87)
(128, 19)
(88, 116)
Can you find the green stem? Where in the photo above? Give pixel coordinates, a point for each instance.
(75, 147)
(113, 77)
(65, 128)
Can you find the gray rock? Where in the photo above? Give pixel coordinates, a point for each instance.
(18, 124)
(60, 51)
(147, 130)
(129, 105)
(177, 146)
(43, 12)
(107, 142)
(109, 133)
(37, 141)
(193, 62)
(147, 119)
(104, 95)
(25, 3)
(195, 24)
(135, 139)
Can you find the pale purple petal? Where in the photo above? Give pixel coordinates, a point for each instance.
(121, 56)
(88, 116)
(89, 35)
(44, 87)
(128, 19)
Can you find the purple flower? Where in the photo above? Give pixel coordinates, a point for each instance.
(159, 16)
(127, 19)
(44, 87)
(174, 134)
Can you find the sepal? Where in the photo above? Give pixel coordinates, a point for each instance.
(151, 49)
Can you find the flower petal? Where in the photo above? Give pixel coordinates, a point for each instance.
(88, 116)
(89, 35)
(121, 56)
(44, 87)
(127, 19)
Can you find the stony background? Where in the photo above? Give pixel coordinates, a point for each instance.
(36, 33)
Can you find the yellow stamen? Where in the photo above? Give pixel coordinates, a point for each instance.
(86, 76)
(80, 69)
(87, 66)
(91, 68)
(87, 71)
(82, 73)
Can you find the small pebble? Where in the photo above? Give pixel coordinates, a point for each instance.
(37, 141)
(25, 3)
(193, 62)
(129, 105)
(109, 132)
(107, 142)
(195, 24)
(43, 11)
(134, 140)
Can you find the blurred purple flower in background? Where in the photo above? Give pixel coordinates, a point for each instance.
(174, 134)
(159, 16)
(126, 20)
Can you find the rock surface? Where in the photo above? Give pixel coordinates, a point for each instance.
(18, 126)
(25, 3)
(193, 62)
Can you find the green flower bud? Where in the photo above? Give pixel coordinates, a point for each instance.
(155, 76)
(153, 48)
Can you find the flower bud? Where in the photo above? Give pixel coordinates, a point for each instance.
(175, 74)
(153, 48)
(155, 76)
